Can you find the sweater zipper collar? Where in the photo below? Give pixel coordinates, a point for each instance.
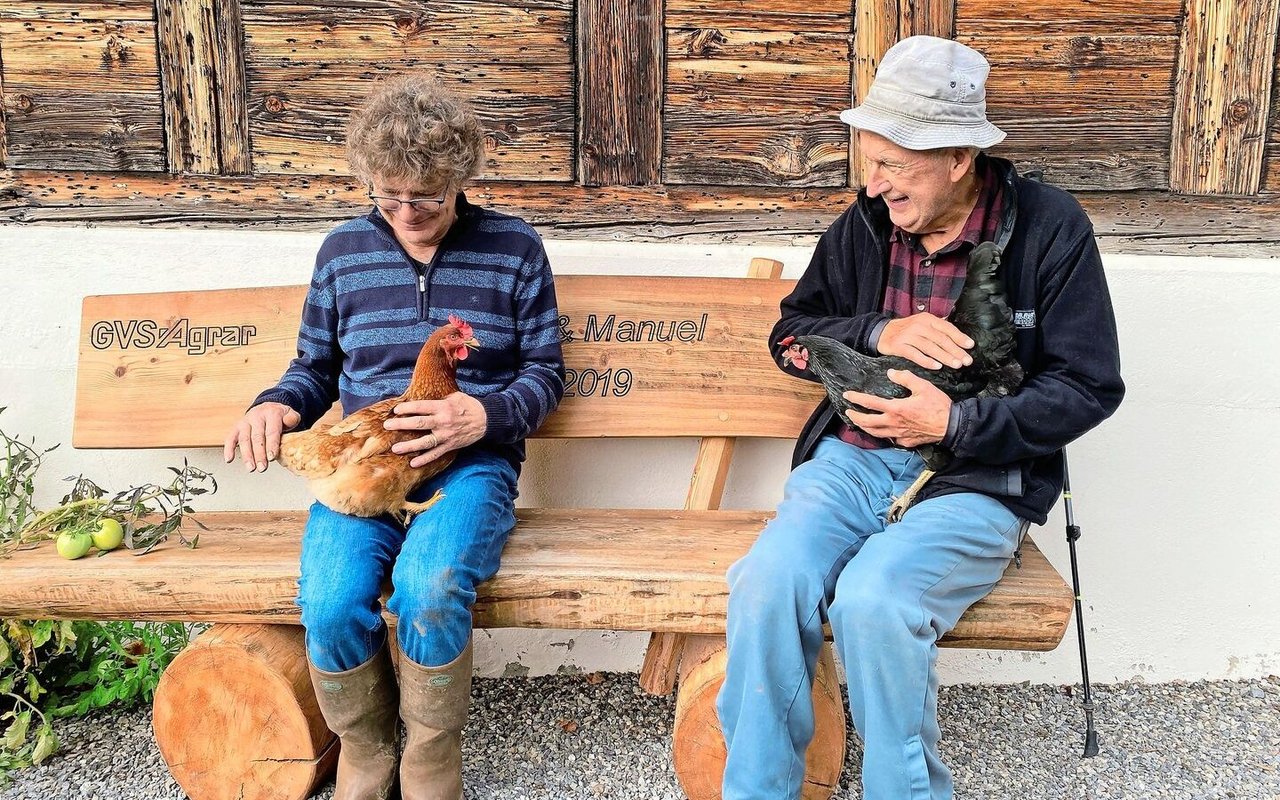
(466, 215)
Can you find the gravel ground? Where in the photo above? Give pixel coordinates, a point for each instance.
(570, 737)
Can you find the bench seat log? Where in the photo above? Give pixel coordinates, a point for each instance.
(607, 569)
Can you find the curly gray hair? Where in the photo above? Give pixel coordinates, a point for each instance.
(412, 128)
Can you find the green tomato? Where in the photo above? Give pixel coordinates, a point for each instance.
(73, 544)
(108, 535)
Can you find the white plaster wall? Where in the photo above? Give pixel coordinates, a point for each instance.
(1177, 494)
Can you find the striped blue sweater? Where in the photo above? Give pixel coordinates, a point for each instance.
(370, 307)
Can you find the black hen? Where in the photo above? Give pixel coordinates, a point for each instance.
(981, 312)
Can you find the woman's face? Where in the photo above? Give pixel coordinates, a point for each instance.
(418, 225)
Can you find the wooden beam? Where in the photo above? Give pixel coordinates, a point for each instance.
(876, 27)
(928, 18)
(231, 91)
(1149, 223)
(1222, 96)
(202, 77)
(620, 58)
(4, 132)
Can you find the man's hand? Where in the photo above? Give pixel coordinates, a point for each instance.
(257, 434)
(449, 424)
(926, 340)
(910, 421)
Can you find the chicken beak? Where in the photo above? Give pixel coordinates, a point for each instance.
(473, 343)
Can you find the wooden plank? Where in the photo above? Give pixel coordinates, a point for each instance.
(185, 32)
(1271, 182)
(232, 91)
(4, 130)
(875, 31)
(298, 116)
(76, 11)
(694, 346)
(58, 129)
(87, 56)
(927, 18)
(756, 150)
(747, 107)
(610, 569)
(437, 33)
(80, 92)
(1034, 17)
(619, 91)
(1222, 101)
(829, 16)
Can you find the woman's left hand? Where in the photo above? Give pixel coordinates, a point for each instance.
(448, 424)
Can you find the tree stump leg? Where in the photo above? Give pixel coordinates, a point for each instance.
(698, 750)
(235, 716)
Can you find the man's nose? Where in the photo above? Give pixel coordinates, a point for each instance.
(874, 180)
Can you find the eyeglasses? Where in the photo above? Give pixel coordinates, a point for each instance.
(427, 205)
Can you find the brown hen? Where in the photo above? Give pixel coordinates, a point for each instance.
(350, 464)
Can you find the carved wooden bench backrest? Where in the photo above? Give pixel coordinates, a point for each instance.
(645, 356)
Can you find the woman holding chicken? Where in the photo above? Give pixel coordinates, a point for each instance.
(382, 284)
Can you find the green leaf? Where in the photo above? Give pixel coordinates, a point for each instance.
(42, 632)
(6, 652)
(17, 732)
(46, 744)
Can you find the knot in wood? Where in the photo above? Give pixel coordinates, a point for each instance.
(274, 104)
(115, 51)
(409, 26)
(707, 42)
(1241, 109)
(24, 102)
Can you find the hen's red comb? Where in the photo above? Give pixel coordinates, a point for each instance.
(464, 329)
(787, 341)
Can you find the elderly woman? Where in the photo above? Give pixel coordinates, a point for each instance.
(382, 284)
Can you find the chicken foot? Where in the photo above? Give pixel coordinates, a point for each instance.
(408, 509)
(908, 497)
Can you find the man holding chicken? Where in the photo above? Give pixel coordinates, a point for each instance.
(883, 280)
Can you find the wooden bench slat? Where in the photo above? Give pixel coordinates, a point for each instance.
(562, 568)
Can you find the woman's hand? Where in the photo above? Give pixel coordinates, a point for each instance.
(448, 424)
(257, 434)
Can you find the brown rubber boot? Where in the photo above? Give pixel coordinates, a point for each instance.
(433, 705)
(360, 706)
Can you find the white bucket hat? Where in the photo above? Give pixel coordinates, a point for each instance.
(928, 93)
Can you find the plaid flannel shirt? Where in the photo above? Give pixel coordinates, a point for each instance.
(920, 281)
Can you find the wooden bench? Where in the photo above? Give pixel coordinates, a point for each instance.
(647, 357)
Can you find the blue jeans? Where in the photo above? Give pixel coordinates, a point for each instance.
(435, 567)
(889, 592)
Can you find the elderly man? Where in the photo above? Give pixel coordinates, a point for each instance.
(883, 279)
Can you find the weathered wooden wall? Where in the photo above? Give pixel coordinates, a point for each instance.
(663, 119)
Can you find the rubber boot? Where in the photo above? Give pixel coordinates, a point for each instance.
(433, 705)
(360, 706)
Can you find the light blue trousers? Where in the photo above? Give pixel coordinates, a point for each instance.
(889, 592)
(435, 567)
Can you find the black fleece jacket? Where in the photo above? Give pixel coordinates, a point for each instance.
(1007, 447)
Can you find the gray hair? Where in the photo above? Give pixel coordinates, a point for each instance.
(412, 128)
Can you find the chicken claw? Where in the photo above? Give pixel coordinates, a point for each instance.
(411, 509)
(907, 498)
